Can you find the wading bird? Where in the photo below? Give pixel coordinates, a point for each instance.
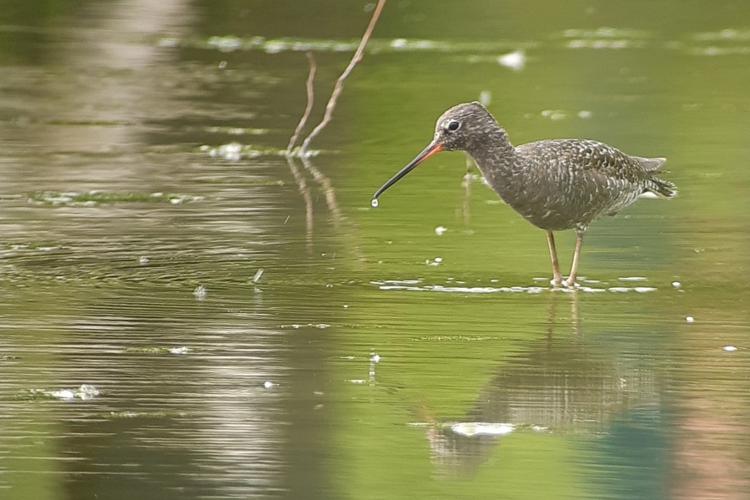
(554, 184)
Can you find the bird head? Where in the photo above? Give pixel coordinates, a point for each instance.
(457, 127)
(455, 130)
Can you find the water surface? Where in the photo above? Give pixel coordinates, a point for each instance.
(188, 314)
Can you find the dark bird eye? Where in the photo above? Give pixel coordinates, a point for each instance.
(453, 125)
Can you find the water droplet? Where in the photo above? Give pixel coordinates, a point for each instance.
(374, 203)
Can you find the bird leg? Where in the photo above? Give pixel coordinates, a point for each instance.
(556, 276)
(571, 281)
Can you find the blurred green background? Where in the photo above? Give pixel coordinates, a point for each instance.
(141, 160)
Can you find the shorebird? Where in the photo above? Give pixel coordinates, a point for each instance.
(554, 184)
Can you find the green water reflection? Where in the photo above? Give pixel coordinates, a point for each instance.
(373, 357)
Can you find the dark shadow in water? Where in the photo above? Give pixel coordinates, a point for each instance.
(304, 191)
(555, 385)
(328, 191)
(325, 186)
(324, 182)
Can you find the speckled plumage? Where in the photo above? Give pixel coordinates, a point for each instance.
(554, 184)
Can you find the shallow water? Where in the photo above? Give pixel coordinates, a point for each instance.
(188, 314)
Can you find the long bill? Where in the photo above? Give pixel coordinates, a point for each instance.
(432, 149)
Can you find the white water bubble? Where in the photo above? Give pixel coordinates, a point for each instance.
(65, 394)
(87, 391)
(472, 429)
(84, 392)
(485, 97)
(515, 60)
(554, 114)
(399, 43)
(200, 292)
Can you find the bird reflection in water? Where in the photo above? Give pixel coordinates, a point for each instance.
(557, 385)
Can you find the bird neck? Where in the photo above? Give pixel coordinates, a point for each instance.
(494, 155)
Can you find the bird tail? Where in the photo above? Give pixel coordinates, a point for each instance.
(662, 188)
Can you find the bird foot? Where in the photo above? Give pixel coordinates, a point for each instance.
(570, 284)
(561, 283)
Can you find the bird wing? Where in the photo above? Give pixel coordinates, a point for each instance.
(577, 156)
